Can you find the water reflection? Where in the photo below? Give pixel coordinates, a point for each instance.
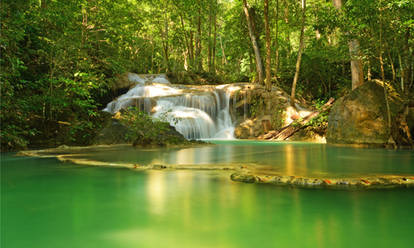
(156, 193)
(300, 159)
(289, 160)
(104, 207)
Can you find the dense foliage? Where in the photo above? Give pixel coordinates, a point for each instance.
(59, 58)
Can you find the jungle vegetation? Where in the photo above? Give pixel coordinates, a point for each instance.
(59, 59)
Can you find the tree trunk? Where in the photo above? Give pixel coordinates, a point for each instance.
(268, 51)
(383, 74)
(84, 23)
(191, 41)
(165, 38)
(394, 73)
(43, 4)
(277, 40)
(198, 41)
(369, 74)
(152, 56)
(408, 62)
(259, 65)
(214, 42)
(299, 59)
(401, 73)
(187, 42)
(224, 59)
(210, 22)
(286, 17)
(252, 64)
(356, 64)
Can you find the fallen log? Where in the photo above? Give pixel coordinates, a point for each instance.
(295, 126)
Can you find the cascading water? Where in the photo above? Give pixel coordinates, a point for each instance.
(197, 112)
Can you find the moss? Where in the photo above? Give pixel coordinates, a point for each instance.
(380, 182)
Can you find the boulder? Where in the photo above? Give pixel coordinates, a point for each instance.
(168, 137)
(410, 119)
(113, 132)
(257, 111)
(361, 116)
(245, 178)
(120, 85)
(123, 82)
(249, 129)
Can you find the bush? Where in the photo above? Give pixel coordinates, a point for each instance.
(143, 130)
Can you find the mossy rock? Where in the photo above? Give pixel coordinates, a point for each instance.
(113, 132)
(245, 178)
(362, 183)
(166, 138)
(361, 116)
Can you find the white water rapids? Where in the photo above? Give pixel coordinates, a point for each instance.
(197, 112)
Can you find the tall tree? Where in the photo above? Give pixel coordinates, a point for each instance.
(299, 59)
(165, 33)
(380, 51)
(210, 48)
(356, 64)
(214, 38)
(277, 39)
(357, 72)
(198, 46)
(268, 48)
(258, 58)
(286, 17)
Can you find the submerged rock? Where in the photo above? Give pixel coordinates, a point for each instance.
(245, 178)
(159, 167)
(383, 182)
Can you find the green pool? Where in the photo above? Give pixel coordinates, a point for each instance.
(288, 158)
(46, 203)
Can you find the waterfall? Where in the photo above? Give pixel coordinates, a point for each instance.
(197, 112)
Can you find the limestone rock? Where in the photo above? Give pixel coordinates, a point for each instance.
(361, 116)
(245, 178)
(258, 111)
(163, 138)
(382, 182)
(112, 133)
(123, 82)
(410, 119)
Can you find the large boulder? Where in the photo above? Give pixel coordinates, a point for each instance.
(361, 116)
(167, 137)
(113, 132)
(257, 111)
(410, 119)
(116, 131)
(120, 85)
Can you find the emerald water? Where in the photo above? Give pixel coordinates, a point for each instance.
(46, 203)
(288, 158)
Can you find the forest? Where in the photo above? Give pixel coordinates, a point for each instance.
(59, 59)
